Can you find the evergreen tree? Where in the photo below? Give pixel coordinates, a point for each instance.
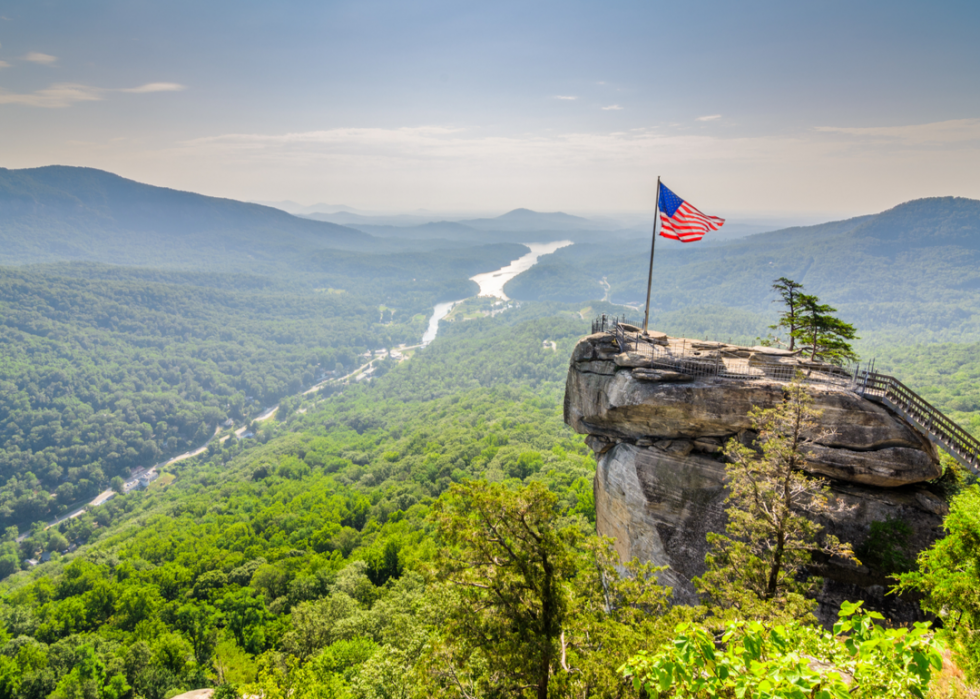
(533, 604)
(771, 533)
(822, 334)
(510, 563)
(790, 292)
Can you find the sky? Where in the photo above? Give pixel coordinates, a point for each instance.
(749, 108)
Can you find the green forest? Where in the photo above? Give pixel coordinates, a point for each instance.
(307, 561)
(428, 529)
(331, 504)
(105, 369)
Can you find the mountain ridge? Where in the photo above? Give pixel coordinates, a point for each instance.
(909, 270)
(61, 212)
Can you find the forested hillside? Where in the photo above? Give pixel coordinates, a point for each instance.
(947, 375)
(58, 213)
(99, 377)
(321, 518)
(108, 369)
(909, 274)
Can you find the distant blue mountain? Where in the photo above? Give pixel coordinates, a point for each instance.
(348, 218)
(910, 271)
(71, 213)
(527, 220)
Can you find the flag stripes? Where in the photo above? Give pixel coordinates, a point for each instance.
(688, 224)
(681, 221)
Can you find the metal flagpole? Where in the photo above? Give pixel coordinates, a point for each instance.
(653, 243)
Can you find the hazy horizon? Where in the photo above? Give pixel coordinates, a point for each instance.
(628, 218)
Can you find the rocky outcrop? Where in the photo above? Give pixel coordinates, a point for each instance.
(658, 434)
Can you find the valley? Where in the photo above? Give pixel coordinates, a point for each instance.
(336, 361)
(305, 555)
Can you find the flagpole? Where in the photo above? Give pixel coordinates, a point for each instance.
(653, 243)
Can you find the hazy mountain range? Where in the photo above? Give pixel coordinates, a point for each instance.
(421, 222)
(914, 268)
(912, 272)
(69, 213)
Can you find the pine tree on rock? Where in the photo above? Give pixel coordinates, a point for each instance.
(822, 334)
(755, 568)
(790, 292)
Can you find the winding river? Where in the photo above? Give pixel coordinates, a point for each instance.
(440, 312)
(492, 283)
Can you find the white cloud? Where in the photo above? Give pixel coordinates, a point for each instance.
(55, 96)
(443, 142)
(37, 57)
(565, 97)
(440, 167)
(613, 107)
(711, 117)
(66, 94)
(4, 64)
(155, 87)
(939, 132)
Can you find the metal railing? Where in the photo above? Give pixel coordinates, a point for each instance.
(960, 444)
(689, 359)
(713, 363)
(609, 324)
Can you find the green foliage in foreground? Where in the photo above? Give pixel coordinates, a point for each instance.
(539, 604)
(229, 561)
(859, 659)
(949, 576)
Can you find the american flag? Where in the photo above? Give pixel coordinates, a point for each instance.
(681, 221)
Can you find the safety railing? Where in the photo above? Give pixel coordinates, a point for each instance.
(690, 360)
(693, 359)
(610, 324)
(960, 444)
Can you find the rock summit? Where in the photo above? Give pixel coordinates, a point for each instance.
(657, 411)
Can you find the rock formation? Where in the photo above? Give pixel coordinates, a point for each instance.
(658, 433)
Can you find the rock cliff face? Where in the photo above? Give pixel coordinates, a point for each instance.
(658, 435)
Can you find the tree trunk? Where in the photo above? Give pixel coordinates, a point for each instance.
(544, 676)
(777, 565)
(792, 321)
(551, 626)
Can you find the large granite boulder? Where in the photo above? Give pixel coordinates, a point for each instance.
(660, 479)
(864, 443)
